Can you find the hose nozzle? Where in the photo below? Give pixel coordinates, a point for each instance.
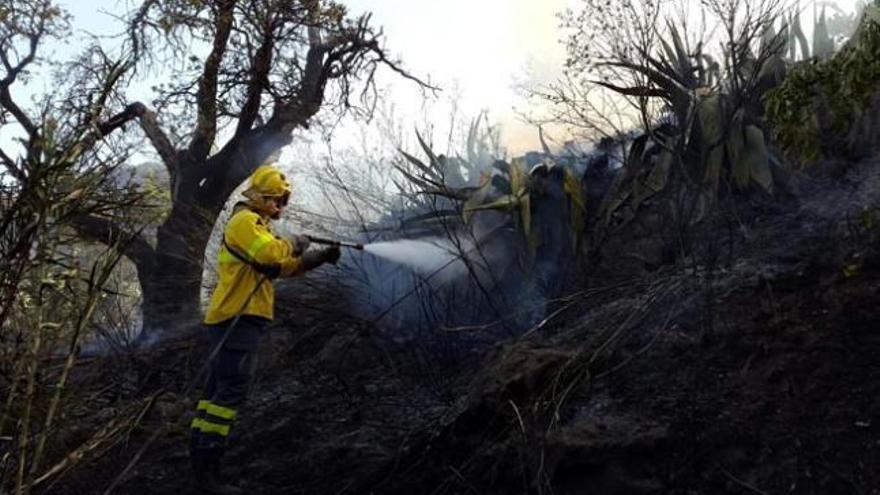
(332, 242)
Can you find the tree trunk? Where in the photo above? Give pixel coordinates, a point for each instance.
(172, 290)
(171, 276)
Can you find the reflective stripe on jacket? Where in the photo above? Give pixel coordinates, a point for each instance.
(249, 235)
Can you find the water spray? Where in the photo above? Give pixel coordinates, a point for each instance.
(332, 242)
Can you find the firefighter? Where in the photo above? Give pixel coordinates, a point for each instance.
(241, 307)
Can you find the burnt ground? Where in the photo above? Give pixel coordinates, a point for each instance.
(760, 375)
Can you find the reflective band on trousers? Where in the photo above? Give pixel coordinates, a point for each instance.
(206, 426)
(215, 410)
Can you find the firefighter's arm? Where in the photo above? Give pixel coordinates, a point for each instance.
(291, 266)
(251, 235)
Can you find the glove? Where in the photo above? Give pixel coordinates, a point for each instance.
(316, 258)
(332, 254)
(300, 244)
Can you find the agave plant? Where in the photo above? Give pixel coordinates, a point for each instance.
(505, 186)
(739, 146)
(644, 174)
(823, 45)
(673, 74)
(518, 187)
(726, 141)
(824, 33)
(798, 38)
(715, 136)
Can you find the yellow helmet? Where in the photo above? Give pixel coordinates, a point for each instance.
(267, 181)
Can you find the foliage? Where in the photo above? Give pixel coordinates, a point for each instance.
(49, 292)
(62, 172)
(841, 87)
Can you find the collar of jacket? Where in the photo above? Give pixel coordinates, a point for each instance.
(250, 206)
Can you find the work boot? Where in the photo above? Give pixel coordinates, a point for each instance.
(209, 480)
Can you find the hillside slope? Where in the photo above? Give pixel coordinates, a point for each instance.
(759, 374)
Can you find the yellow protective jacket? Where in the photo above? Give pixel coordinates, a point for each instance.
(249, 235)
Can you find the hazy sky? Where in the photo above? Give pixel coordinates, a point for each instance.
(484, 46)
(481, 47)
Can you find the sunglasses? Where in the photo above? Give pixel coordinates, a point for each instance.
(280, 200)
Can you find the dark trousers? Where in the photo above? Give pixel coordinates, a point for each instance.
(231, 373)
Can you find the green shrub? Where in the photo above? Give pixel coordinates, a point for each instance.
(821, 98)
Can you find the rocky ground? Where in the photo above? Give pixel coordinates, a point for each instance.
(757, 374)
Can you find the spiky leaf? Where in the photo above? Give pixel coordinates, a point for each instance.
(450, 169)
(501, 184)
(518, 176)
(769, 39)
(415, 180)
(427, 149)
(823, 45)
(577, 207)
(501, 166)
(544, 144)
(635, 91)
(635, 158)
(430, 217)
(736, 143)
(668, 53)
(773, 71)
(659, 175)
(683, 63)
(430, 174)
(784, 37)
(525, 214)
(674, 88)
(617, 196)
(710, 112)
(505, 203)
(477, 198)
(712, 71)
(798, 33)
(756, 157)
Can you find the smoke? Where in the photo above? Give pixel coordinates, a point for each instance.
(427, 257)
(417, 285)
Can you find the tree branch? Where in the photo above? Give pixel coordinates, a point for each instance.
(150, 126)
(258, 83)
(155, 134)
(105, 231)
(355, 49)
(256, 145)
(400, 71)
(10, 165)
(306, 103)
(12, 73)
(132, 111)
(344, 53)
(206, 97)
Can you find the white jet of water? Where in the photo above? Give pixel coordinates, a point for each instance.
(425, 256)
